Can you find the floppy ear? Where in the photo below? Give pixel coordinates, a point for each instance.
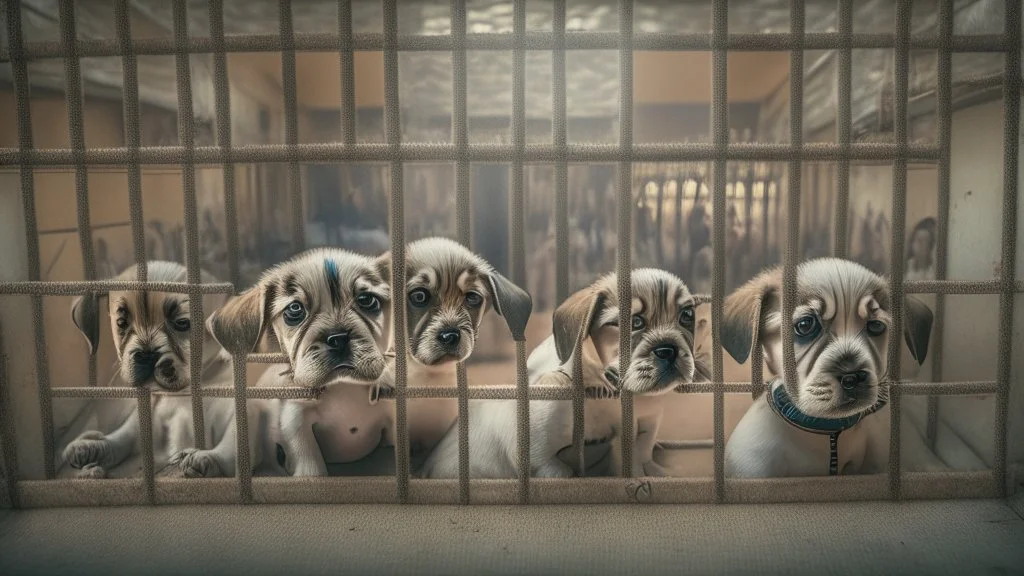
(741, 316)
(85, 313)
(917, 327)
(574, 319)
(512, 303)
(239, 324)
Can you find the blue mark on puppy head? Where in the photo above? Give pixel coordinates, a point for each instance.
(333, 282)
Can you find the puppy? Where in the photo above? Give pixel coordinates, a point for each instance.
(328, 310)
(151, 339)
(841, 328)
(448, 290)
(662, 328)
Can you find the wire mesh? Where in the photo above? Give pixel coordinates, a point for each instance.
(720, 42)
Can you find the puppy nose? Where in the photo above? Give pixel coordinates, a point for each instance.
(145, 357)
(337, 341)
(851, 380)
(666, 353)
(449, 337)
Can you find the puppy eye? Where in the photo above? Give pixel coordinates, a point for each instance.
(182, 324)
(807, 327)
(122, 323)
(638, 322)
(294, 314)
(368, 302)
(419, 297)
(686, 316)
(474, 300)
(876, 327)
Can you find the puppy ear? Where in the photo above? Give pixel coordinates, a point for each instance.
(917, 327)
(85, 313)
(741, 316)
(239, 325)
(511, 302)
(574, 319)
(383, 265)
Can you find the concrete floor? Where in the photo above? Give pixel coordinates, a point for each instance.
(960, 537)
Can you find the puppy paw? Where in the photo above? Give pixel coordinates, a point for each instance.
(555, 469)
(91, 448)
(92, 472)
(197, 463)
(652, 468)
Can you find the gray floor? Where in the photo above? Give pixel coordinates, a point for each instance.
(976, 537)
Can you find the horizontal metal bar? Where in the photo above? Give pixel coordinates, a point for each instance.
(76, 288)
(949, 287)
(957, 287)
(497, 392)
(381, 490)
(534, 40)
(474, 152)
(267, 358)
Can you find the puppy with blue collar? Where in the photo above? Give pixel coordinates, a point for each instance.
(834, 419)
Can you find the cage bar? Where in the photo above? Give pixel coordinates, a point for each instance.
(796, 137)
(534, 40)
(186, 136)
(348, 73)
(1011, 149)
(720, 134)
(396, 213)
(844, 121)
(132, 136)
(507, 392)
(463, 219)
(76, 133)
(291, 123)
(8, 435)
(437, 152)
(19, 71)
(899, 224)
(944, 115)
(222, 104)
(624, 250)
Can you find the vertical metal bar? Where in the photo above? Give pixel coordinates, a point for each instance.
(76, 132)
(186, 137)
(132, 136)
(460, 137)
(243, 455)
(1011, 149)
(518, 239)
(291, 124)
(222, 102)
(19, 69)
(393, 133)
(899, 221)
(348, 73)
(559, 137)
(144, 405)
(795, 169)
(944, 115)
(8, 434)
(132, 139)
(844, 120)
(720, 137)
(623, 252)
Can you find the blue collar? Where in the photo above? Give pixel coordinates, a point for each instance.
(784, 406)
